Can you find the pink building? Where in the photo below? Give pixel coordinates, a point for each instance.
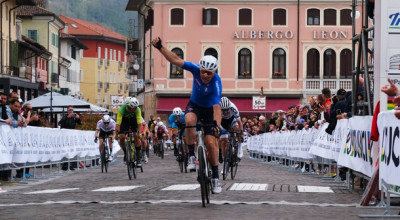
(285, 50)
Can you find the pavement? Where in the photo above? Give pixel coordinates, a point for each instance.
(259, 191)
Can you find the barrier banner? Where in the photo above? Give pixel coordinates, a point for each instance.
(389, 144)
(323, 145)
(37, 144)
(356, 152)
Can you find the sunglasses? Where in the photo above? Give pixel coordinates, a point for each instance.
(71, 109)
(206, 72)
(106, 123)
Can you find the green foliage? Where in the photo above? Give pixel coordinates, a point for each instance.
(89, 121)
(109, 13)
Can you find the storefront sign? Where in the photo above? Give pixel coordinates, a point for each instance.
(262, 34)
(333, 35)
(258, 102)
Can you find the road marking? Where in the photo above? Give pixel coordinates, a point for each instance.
(216, 202)
(316, 189)
(116, 188)
(51, 191)
(182, 187)
(249, 187)
(2, 190)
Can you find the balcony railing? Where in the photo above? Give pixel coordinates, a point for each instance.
(316, 85)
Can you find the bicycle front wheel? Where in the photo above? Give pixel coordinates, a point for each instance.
(181, 157)
(106, 157)
(227, 159)
(129, 162)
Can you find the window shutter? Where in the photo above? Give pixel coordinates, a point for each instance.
(204, 16)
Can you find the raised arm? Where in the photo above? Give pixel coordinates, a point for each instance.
(169, 55)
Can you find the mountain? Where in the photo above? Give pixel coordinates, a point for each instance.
(109, 13)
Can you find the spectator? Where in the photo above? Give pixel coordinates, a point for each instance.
(42, 119)
(70, 119)
(27, 112)
(3, 104)
(326, 95)
(392, 90)
(69, 122)
(262, 124)
(337, 109)
(14, 118)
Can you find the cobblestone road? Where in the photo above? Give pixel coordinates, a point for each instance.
(277, 193)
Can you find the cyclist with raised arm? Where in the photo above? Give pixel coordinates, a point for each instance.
(204, 105)
(176, 120)
(129, 117)
(105, 129)
(230, 121)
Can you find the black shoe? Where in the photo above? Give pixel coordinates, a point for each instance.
(139, 164)
(221, 160)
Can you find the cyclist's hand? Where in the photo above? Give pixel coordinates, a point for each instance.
(157, 43)
(95, 139)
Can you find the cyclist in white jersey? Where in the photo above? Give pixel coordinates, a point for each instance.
(105, 129)
(230, 120)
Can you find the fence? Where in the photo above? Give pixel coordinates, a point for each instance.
(39, 147)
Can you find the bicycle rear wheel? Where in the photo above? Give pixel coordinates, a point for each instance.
(227, 159)
(181, 157)
(201, 175)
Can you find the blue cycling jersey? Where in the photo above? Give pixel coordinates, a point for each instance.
(173, 122)
(204, 95)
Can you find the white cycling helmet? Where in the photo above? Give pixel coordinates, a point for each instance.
(132, 102)
(177, 111)
(106, 119)
(209, 63)
(160, 123)
(225, 102)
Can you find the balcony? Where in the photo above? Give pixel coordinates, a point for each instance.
(314, 86)
(99, 85)
(99, 62)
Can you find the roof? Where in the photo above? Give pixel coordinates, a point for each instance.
(85, 28)
(133, 5)
(75, 40)
(30, 11)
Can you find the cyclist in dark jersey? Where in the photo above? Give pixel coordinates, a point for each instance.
(204, 105)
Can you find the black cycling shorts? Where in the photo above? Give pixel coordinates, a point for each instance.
(226, 123)
(205, 115)
(103, 135)
(128, 123)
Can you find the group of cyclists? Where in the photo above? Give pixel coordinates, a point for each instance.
(205, 106)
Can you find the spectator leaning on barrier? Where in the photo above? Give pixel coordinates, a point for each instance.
(337, 109)
(326, 95)
(70, 119)
(14, 118)
(3, 103)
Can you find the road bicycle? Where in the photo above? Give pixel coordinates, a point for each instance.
(105, 155)
(131, 157)
(204, 167)
(182, 157)
(231, 160)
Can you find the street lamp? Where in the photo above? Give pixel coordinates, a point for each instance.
(51, 99)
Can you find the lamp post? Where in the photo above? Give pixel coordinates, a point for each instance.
(51, 100)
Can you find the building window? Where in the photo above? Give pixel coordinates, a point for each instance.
(32, 34)
(345, 64)
(244, 64)
(73, 52)
(313, 64)
(177, 15)
(175, 71)
(245, 16)
(280, 16)
(329, 64)
(345, 17)
(210, 16)
(279, 64)
(329, 17)
(313, 16)
(212, 52)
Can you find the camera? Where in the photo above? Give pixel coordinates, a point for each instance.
(338, 112)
